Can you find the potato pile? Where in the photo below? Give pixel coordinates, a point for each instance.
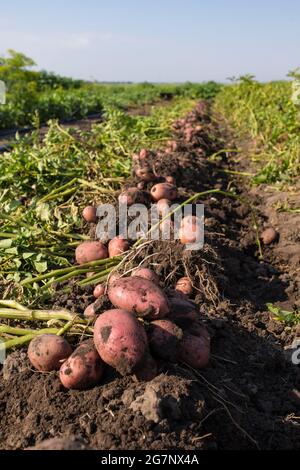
(145, 325)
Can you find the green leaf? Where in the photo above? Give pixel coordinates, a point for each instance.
(6, 243)
(41, 266)
(28, 255)
(43, 211)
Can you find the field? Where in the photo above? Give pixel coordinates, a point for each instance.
(226, 375)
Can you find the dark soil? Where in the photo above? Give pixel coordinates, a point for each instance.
(247, 397)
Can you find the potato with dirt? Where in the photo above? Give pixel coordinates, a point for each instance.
(99, 291)
(90, 251)
(146, 273)
(117, 246)
(164, 339)
(47, 352)
(195, 351)
(83, 369)
(190, 230)
(163, 191)
(182, 310)
(89, 214)
(147, 370)
(120, 339)
(139, 296)
(184, 285)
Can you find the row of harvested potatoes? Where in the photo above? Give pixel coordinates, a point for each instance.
(147, 326)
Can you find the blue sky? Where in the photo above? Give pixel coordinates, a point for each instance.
(155, 40)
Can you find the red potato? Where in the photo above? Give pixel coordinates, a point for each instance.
(195, 351)
(129, 196)
(268, 235)
(190, 230)
(144, 173)
(143, 154)
(120, 339)
(146, 273)
(170, 179)
(184, 285)
(163, 206)
(164, 339)
(90, 312)
(99, 291)
(141, 185)
(147, 370)
(182, 311)
(89, 214)
(139, 296)
(117, 246)
(83, 369)
(47, 352)
(196, 329)
(163, 191)
(90, 251)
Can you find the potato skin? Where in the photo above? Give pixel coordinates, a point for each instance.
(190, 229)
(46, 352)
(195, 351)
(146, 273)
(182, 311)
(164, 191)
(99, 291)
(83, 369)
(90, 312)
(147, 370)
(139, 296)
(117, 246)
(120, 339)
(129, 196)
(268, 236)
(90, 251)
(89, 214)
(163, 206)
(164, 339)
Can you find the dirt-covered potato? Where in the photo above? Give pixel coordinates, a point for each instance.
(117, 246)
(190, 230)
(163, 191)
(170, 179)
(83, 369)
(144, 173)
(182, 311)
(268, 236)
(99, 291)
(184, 285)
(195, 351)
(90, 312)
(47, 352)
(164, 339)
(147, 369)
(139, 296)
(89, 214)
(120, 339)
(129, 196)
(146, 273)
(90, 251)
(163, 207)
